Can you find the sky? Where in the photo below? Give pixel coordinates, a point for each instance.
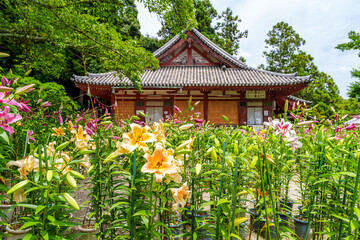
(322, 23)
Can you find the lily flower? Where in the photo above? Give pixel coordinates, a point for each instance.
(30, 134)
(138, 137)
(160, 163)
(58, 132)
(26, 165)
(7, 118)
(81, 139)
(293, 140)
(180, 195)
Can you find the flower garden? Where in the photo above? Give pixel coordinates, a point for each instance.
(180, 178)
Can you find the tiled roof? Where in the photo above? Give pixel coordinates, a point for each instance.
(296, 99)
(197, 76)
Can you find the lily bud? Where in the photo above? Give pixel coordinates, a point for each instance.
(5, 89)
(71, 201)
(186, 126)
(18, 186)
(24, 89)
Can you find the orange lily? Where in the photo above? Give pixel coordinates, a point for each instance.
(180, 195)
(138, 137)
(58, 131)
(160, 163)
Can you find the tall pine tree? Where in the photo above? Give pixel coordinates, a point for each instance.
(284, 55)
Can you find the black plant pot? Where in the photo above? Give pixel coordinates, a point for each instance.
(284, 219)
(300, 226)
(175, 229)
(289, 204)
(258, 225)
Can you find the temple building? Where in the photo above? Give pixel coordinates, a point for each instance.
(196, 67)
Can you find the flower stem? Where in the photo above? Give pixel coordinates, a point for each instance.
(132, 197)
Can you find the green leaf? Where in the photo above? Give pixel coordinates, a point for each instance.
(4, 135)
(45, 234)
(235, 236)
(357, 212)
(239, 221)
(350, 174)
(117, 204)
(51, 218)
(341, 218)
(223, 200)
(29, 224)
(206, 204)
(142, 213)
(39, 209)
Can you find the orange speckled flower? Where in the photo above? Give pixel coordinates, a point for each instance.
(160, 163)
(138, 137)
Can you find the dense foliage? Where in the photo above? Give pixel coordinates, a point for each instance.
(178, 178)
(354, 44)
(224, 33)
(284, 55)
(50, 37)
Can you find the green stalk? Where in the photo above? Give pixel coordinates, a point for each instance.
(234, 196)
(264, 194)
(313, 199)
(220, 191)
(132, 197)
(151, 199)
(355, 194)
(271, 198)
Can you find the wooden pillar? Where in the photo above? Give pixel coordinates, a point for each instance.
(206, 110)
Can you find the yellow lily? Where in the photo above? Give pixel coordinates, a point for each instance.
(138, 137)
(160, 163)
(81, 139)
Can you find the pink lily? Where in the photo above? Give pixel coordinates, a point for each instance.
(7, 118)
(30, 133)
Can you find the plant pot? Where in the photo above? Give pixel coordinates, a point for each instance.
(16, 234)
(302, 211)
(175, 229)
(289, 204)
(300, 226)
(284, 216)
(5, 210)
(89, 233)
(258, 225)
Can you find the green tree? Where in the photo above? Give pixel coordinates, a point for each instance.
(228, 34)
(150, 43)
(40, 35)
(353, 44)
(225, 33)
(284, 55)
